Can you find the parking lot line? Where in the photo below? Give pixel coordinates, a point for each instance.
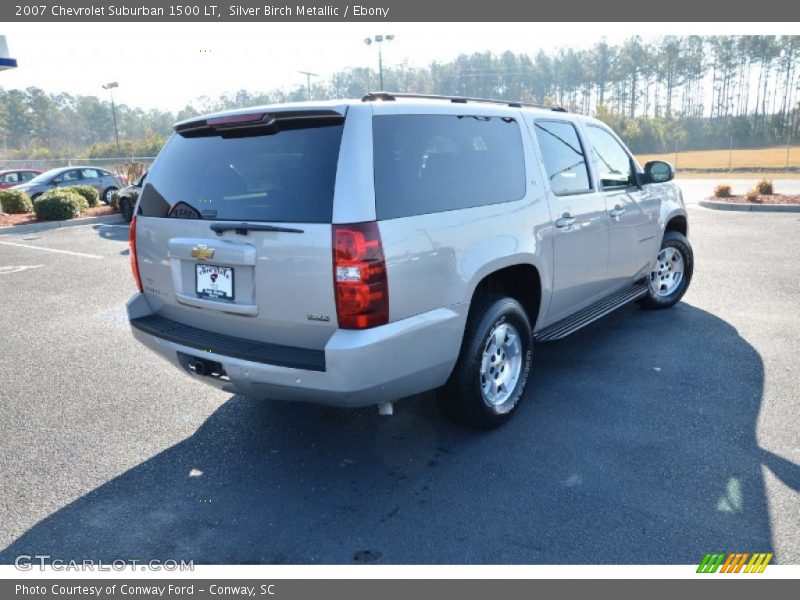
(17, 269)
(84, 255)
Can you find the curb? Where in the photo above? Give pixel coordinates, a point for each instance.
(712, 204)
(34, 227)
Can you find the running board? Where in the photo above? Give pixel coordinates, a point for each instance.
(591, 313)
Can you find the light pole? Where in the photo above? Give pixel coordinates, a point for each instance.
(379, 39)
(110, 87)
(308, 82)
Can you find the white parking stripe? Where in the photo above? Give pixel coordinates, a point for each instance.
(107, 225)
(17, 269)
(84, 255)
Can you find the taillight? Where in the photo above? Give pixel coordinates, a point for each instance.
(134, 260)
(359, 276)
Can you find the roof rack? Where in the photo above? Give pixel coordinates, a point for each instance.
(374, 96)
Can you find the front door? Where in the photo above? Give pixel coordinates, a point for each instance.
(634, 231)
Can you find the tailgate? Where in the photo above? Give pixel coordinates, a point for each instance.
(233, 228)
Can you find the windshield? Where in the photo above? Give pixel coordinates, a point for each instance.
(43, 177)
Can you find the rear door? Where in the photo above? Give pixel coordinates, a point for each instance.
(234, 226)
(578, 213)
(634, 232)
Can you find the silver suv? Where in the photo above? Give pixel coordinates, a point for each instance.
(357, 252)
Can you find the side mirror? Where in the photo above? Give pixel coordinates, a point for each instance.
(659, 171)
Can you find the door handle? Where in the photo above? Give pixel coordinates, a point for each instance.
(566, 221)
(616, 212)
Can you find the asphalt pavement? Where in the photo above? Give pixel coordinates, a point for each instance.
(648, 437)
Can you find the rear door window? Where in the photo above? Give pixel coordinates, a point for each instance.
(282, 176)
(434, 163)
(563, 156)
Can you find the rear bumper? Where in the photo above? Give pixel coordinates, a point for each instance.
(360, 368)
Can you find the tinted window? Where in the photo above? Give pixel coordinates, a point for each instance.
(288, 175)
(433, 163)
(563, 157)
(71, 176)
(27, 175)
(613, 162)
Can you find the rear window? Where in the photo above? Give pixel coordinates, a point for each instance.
(435, 163)
(284, 176)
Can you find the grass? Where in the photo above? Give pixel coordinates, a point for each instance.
(737, 175)
(757, 159)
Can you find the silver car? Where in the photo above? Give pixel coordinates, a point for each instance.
(105, 182)
(357, 252)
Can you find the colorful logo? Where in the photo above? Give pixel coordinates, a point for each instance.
(735, 562)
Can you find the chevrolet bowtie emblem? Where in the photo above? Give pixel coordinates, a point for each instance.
(202, 252)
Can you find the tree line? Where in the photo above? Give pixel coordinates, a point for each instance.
(685, 92)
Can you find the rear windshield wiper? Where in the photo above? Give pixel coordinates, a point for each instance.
(243, 228)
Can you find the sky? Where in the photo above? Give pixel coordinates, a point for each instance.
(168, 65)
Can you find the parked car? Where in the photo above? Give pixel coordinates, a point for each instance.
(357, 252)
(11, 177)
(127, 196)
(105, 182)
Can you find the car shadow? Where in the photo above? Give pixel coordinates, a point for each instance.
(636, 444)
(117, 232)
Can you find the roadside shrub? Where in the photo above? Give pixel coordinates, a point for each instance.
(130, 171)
(114, 201)
(59, 204)
(764, 187)
(753, 196)
(88, 192)
(722, 191)
(15, 202)
(79, 200)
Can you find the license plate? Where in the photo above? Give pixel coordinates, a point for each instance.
(214, 282)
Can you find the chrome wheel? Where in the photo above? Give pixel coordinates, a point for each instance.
(667, 275)
(501, 364)
(108, 194)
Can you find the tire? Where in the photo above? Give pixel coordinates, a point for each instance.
(126, 209)
(106, 195)
(675, 256)
(462, 398)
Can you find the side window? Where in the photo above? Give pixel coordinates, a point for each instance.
(612, 160)
(90, 173)
(563, 156)
(27, 175)
(11, 178)
(434, 163)
(71, 176)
